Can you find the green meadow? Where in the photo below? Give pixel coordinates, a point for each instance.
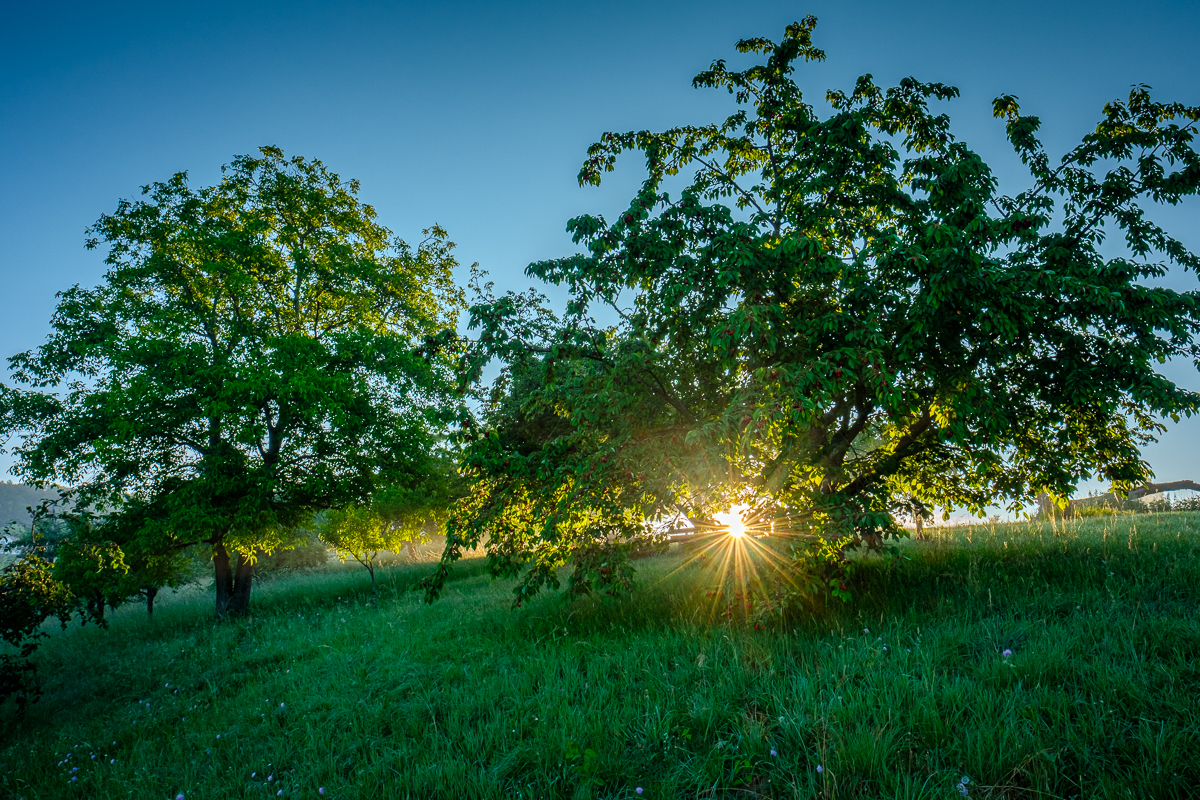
(901, 693)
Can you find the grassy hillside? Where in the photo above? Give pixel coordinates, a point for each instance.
(901, 693)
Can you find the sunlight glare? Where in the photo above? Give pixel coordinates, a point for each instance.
(733, 518)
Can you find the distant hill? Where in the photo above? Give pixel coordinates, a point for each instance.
(15, 498)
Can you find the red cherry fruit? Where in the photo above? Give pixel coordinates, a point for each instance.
(629, 219)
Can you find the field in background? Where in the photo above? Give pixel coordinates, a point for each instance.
(901, 693)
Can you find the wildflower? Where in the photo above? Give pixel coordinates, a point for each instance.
(639, 790)
(1006, 653)
(773, 753)
(218, 736)
(279, 793)
(962, 789)
(866, 630)
(885, 648)
(113, 761)
(74, 778)
(270, 778)
(321, 790)
(820, 768)
(179, 796)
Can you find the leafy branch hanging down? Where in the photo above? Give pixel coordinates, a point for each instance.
(837, 316)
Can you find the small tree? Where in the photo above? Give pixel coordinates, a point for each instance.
(400, 516)
(108, 562)
(835, 317)
(29, 595)
(257, 350)
(359, 533)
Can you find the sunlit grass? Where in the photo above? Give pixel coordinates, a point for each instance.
(898, 694)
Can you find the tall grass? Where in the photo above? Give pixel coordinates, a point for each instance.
(900, 693)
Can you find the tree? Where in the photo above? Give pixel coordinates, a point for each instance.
(399, 515)
(107, 562)
(258, 350)
(29, 596)
(837, 318)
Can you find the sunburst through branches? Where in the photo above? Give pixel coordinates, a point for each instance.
(748, 550)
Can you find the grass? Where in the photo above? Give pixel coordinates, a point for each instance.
(900, 693)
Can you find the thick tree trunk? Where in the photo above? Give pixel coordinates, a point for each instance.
(412, 551)
(243, 577)
(151, 592)
(233, 581)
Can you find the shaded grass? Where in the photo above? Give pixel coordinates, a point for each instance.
(897, 694)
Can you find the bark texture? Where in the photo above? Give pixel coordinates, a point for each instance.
(234, 575)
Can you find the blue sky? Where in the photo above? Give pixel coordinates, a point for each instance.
(477, 116)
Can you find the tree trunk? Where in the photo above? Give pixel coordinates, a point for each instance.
(374, 594)
(412, 550)
(243, 578)
(96, 604)
(224, 579)
(151, 591)
(233, 580)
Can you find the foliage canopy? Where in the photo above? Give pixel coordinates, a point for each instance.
(258, 349)
(836, 319)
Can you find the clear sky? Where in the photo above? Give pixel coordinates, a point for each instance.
(478, 115)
